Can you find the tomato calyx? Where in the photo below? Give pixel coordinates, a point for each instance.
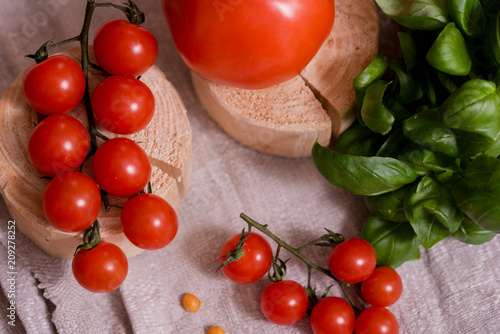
(130, 9)
(91, 238)
(236, 253)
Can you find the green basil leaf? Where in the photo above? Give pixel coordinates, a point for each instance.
(371, 73)
(394, 243)
(409, 88)
(492, 40)
(478, 193)
(421, 15)
(494, 150)
(475, 108)
(358, 140)
(393, 145)
(469, 16)
(412, 154)
(471, 233)
(388, 206)
(373, 111)
(490, 6)
(431, 211)
(425, 129)
(409, 49)
(448, 53)
(368, 176)
(447, 81)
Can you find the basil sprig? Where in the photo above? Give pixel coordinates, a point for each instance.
(425, 148)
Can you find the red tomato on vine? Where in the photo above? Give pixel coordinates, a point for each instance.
(121, 47)
(383, 287)
(54, 86)
(353, 260)
(148, 221)
(332, 315)
(121, 167)
(123, 104)
(377, 320)
(71, 201)
(254, 263)
(249, 44)
(284, 303)
(100, 269)
(58, 144)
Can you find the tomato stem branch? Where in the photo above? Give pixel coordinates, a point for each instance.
(295, 251)
(331, 237)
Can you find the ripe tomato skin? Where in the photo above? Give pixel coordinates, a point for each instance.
(59, 143)
(332, 315)
(377, 320)
(353, 260)
(284, 303)
(54, 86)
(121, 167)
(121, 47)
(123, 104)
(71, 201)
(101, 269)
(249, 44)
(254, 264)
(148, 221)
(383, 287)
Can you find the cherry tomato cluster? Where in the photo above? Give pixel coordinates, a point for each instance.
(60, 144)
(246, 258)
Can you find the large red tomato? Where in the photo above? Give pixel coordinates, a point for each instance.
(249, 44)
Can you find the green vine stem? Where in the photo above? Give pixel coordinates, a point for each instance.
(297, 253)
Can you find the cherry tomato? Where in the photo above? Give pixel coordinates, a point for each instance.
(121, 47)
(54, 86)
(332, 315)
(123, 104)
(254, 264)
(100, 269)
(377, 320)
(284, 303)
(383, 287)
(121, 167)
(353, 260)
(71, 201)
(148, 221)
(59, 143)
(249, 44)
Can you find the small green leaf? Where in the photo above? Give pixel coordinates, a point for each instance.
(448, 53)
(471, 233)
(492, 40)
(358, 139)
(409, 88)
(425, 129)
(371, 73)
(432, 211)
(478, 193)
(362, 175)
(394, 243)
(420, 15)
(469, 16)
(373, 112)
(409, 49)
(473, 108)
(388, 206)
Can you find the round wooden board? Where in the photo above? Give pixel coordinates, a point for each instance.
(286, 119)
(166, 140)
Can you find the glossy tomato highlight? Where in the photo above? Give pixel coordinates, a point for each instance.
(249, 44)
